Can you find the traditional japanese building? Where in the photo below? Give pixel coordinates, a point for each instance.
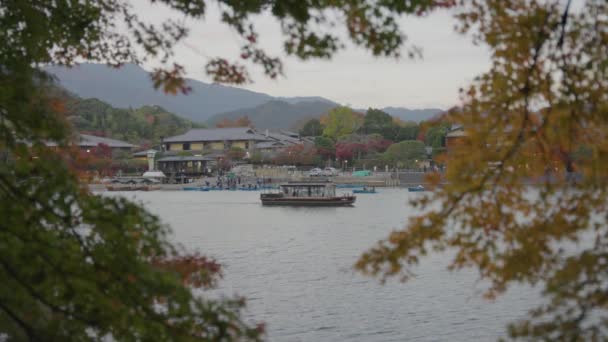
(214, 139)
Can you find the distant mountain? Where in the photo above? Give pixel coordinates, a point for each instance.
(131, 86)
(296, 99)
(416, 115)
(277, 114)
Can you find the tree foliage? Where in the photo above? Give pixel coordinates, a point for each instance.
(75, 265)
(404, 151)
(311, 128)
(79, 266)
(377, 121)
(342, 121)
(325, 147)
(544, 98)
(434, 134)
(410, 132)
(297, 155)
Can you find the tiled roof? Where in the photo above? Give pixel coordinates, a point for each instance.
(185, 158)
(284, 138)
(143, 153)
(270, 144)
(290, 133)
(217, 134)
(87, 140)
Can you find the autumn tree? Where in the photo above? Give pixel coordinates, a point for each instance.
(519, 202)
(350, 150)
(377, 144)
(76, 265)
(79, 266)
(299, 154)
(342, 121)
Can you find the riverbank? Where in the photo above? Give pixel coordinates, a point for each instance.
(379, 180)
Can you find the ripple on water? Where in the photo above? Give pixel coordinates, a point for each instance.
(295, 267)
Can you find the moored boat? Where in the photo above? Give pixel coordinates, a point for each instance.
(365, 191)
(416, 188)
(195, 188)
(304, 193)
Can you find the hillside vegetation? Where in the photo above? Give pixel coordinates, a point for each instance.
(141, 126)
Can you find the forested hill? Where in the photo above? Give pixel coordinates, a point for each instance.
(278, 114)
(144, 125)
(131, 86)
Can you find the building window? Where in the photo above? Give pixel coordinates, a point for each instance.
(186, 146)
(227, 144)
(246, 145)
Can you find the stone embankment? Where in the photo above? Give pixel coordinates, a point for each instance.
(378, 179)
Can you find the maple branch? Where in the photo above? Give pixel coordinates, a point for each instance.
(563, 23)
(27, 329)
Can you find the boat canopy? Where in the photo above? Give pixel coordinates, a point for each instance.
(309, 189)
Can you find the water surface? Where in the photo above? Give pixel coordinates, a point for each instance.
(294, 266)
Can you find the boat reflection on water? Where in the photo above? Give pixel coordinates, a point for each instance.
(307, 193)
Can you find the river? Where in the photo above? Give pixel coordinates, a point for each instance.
(294, 266)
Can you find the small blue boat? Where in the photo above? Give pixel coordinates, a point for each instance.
(364, 191)
(195, 188)
(416, 188)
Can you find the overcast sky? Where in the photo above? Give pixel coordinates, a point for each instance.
(353, 77)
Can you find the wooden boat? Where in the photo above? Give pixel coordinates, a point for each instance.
(318, 193)
(364, 191)
(416, 188)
